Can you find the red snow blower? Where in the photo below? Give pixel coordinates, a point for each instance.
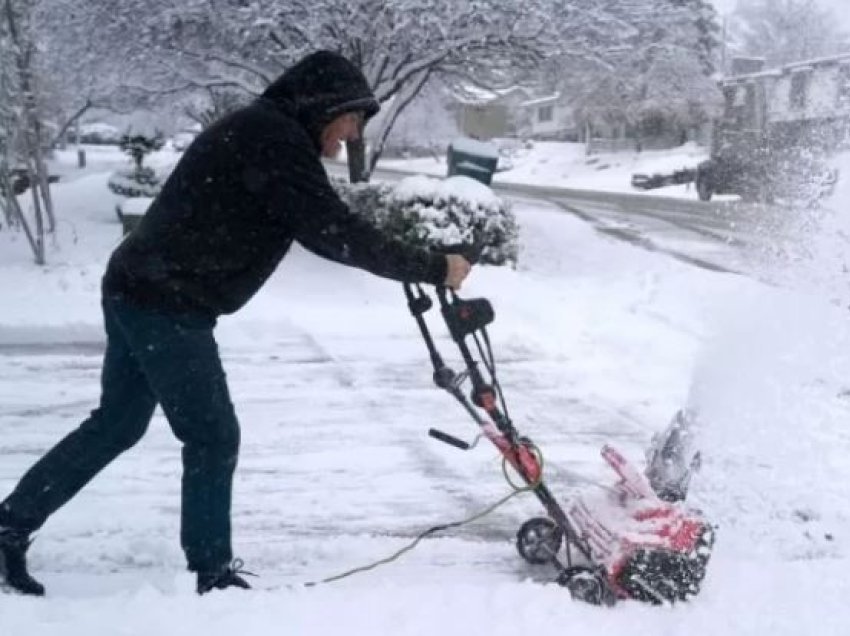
(624, 542)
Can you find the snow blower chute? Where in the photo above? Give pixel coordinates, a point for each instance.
(622, 542)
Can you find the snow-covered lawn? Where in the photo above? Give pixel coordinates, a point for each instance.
(597, 340)
(565, 165)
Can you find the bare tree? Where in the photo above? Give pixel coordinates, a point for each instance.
(151, 51)
(210, 104)
(400, 45)
(663, 73)
(24, 127)
(783, 31)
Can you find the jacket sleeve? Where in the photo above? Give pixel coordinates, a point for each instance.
(322, 223)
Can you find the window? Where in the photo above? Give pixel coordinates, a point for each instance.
(750, 117)
(544, 114)
(729, 93)
(799, 90)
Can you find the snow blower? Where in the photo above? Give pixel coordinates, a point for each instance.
(623, 542)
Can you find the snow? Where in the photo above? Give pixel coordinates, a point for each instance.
(475, 147)
(475, 95)
(136, 205)
(565, 165)
(542, 100)
(460, 188)
(125, 182)
(597, 341)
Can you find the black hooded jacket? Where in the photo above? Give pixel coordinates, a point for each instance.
(248, 187)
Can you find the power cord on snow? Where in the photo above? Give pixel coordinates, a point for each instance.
(515, 490)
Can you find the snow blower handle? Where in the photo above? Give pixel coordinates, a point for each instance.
(464, 317)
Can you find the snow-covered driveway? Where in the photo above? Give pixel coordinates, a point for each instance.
(597, 341)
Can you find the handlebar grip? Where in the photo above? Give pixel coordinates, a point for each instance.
(448, 439)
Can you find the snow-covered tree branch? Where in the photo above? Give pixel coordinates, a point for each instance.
(399, 45)
(783, 31)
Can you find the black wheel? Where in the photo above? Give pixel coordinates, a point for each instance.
(539, 540)
(585, 585)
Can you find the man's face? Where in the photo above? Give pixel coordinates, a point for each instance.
(346, 127)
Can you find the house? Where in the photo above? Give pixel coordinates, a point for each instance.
(777, 126)
(803, 101)
(486, 114)
(516, 111)
(549, 117)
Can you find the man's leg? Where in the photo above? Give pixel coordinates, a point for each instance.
(126, 406)
(125, 410)
(180, 359)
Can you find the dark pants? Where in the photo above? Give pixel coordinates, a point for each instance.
(150, 359)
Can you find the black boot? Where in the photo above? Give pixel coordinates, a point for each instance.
(13, 563)
(228, 576)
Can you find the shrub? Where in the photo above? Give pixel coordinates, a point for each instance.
(132, 182)
(139, 181)
(439, 213)
(138, 145)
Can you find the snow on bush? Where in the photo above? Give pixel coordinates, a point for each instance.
(136, 206)
(140, 181)
(438, 213)
(133, 182)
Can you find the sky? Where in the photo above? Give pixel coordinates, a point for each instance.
(840, 7)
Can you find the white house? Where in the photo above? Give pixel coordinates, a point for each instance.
(793, 99)
(513, 112)
(485, 114)
(549, 117)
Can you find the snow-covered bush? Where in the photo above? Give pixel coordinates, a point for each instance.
(137, 145)
(438, 213)
(139, 181)
(135, 182)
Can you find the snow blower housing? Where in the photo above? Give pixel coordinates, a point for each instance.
(622, 542)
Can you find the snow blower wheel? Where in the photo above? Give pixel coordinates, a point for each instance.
(539, 540)
(584, 584)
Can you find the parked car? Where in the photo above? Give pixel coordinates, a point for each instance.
(20, 179)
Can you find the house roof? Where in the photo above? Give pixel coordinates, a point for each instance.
(542, 101)
(793, 67)
(476, 95)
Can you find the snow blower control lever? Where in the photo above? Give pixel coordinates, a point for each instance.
(657, 553)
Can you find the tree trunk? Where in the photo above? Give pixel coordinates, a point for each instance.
(401, 101)
(16, 215)
(44, 189)
(38, 244)
(6, 201)
(73, 121)
(38, 176)
(358, 171)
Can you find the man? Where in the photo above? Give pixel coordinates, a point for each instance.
(243, 192)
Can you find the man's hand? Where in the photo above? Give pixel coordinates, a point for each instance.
(457, 269)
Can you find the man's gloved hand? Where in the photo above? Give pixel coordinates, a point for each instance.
(457, 269)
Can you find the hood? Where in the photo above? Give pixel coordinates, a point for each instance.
(320, 87)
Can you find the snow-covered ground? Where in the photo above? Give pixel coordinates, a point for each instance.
(598, 341)
(565, 165)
